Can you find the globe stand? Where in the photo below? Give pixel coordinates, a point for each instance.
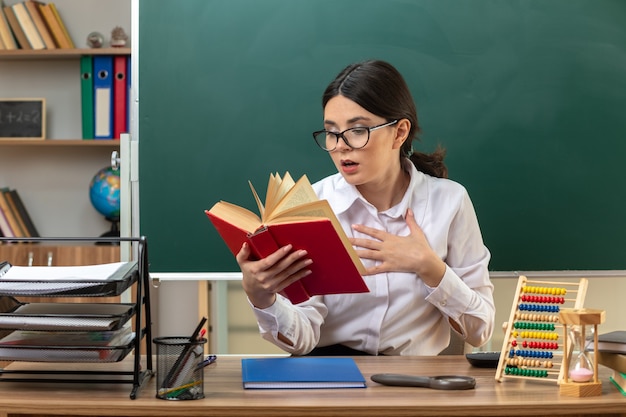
(114, 232)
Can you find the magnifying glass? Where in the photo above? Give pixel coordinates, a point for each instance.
(447, 382)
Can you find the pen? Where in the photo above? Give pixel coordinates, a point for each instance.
(207, 361)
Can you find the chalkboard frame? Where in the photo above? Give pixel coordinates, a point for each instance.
(33, 131)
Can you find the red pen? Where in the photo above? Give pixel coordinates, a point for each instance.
(202, 333)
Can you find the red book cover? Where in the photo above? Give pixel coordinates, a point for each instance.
(332, 271)
(120, 92)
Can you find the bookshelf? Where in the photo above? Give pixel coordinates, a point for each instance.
(53, 175)
(60, 142)
(26, 54)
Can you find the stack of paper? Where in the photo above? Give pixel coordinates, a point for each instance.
(41, 280)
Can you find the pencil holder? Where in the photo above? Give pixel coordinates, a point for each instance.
(179, 368)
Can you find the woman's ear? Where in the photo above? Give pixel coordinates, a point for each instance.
(403, 128)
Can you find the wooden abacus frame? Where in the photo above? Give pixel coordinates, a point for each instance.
(536, 359)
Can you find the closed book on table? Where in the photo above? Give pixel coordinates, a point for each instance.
(301, 372)
(619, 380)
(616, 361)
(612, 342)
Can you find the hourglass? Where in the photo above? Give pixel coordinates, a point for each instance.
(580, 371)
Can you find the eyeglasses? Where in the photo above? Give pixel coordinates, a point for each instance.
(355, 137)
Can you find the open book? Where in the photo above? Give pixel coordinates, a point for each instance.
(294, 215)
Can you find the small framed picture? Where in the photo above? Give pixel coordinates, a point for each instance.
(23, 118)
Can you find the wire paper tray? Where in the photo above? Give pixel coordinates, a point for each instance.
(114, 286)
(105, 280)
(67, 316)
(100, 354)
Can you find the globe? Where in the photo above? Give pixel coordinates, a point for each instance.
(104, 193)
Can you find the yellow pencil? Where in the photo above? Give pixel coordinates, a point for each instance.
(165, 391)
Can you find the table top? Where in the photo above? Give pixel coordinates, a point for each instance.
(224, 395)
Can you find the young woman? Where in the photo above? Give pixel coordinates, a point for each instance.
(416, 232)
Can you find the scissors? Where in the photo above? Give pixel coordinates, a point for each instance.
(447, 382)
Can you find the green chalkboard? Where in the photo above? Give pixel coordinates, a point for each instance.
(528, 96)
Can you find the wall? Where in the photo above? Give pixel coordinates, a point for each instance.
(54, 182)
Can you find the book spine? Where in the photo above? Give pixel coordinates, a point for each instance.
(57, 16)
(615, 361)
(8, 214)
(5, 32)
(617, 385)
(21, 209)
(35, 15)
(18, 216)
(55, 28)
(16, 28)
(5, 227)
(28, 26)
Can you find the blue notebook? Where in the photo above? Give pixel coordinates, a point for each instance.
(301, 372)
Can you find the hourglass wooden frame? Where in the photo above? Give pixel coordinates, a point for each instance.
(533, 343)
(580, 317)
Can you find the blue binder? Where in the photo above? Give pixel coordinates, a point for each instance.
(103, 96)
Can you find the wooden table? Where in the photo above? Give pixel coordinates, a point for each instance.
(226, 397)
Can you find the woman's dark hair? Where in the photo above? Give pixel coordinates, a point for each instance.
(380, 89)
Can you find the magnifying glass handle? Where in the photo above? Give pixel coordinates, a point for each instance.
(400, 380)
(446, 382)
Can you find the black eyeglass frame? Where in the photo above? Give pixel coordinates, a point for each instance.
(342, 135)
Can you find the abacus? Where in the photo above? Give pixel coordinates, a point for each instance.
(534, 342)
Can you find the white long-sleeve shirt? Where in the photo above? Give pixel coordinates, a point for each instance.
(400, 315)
